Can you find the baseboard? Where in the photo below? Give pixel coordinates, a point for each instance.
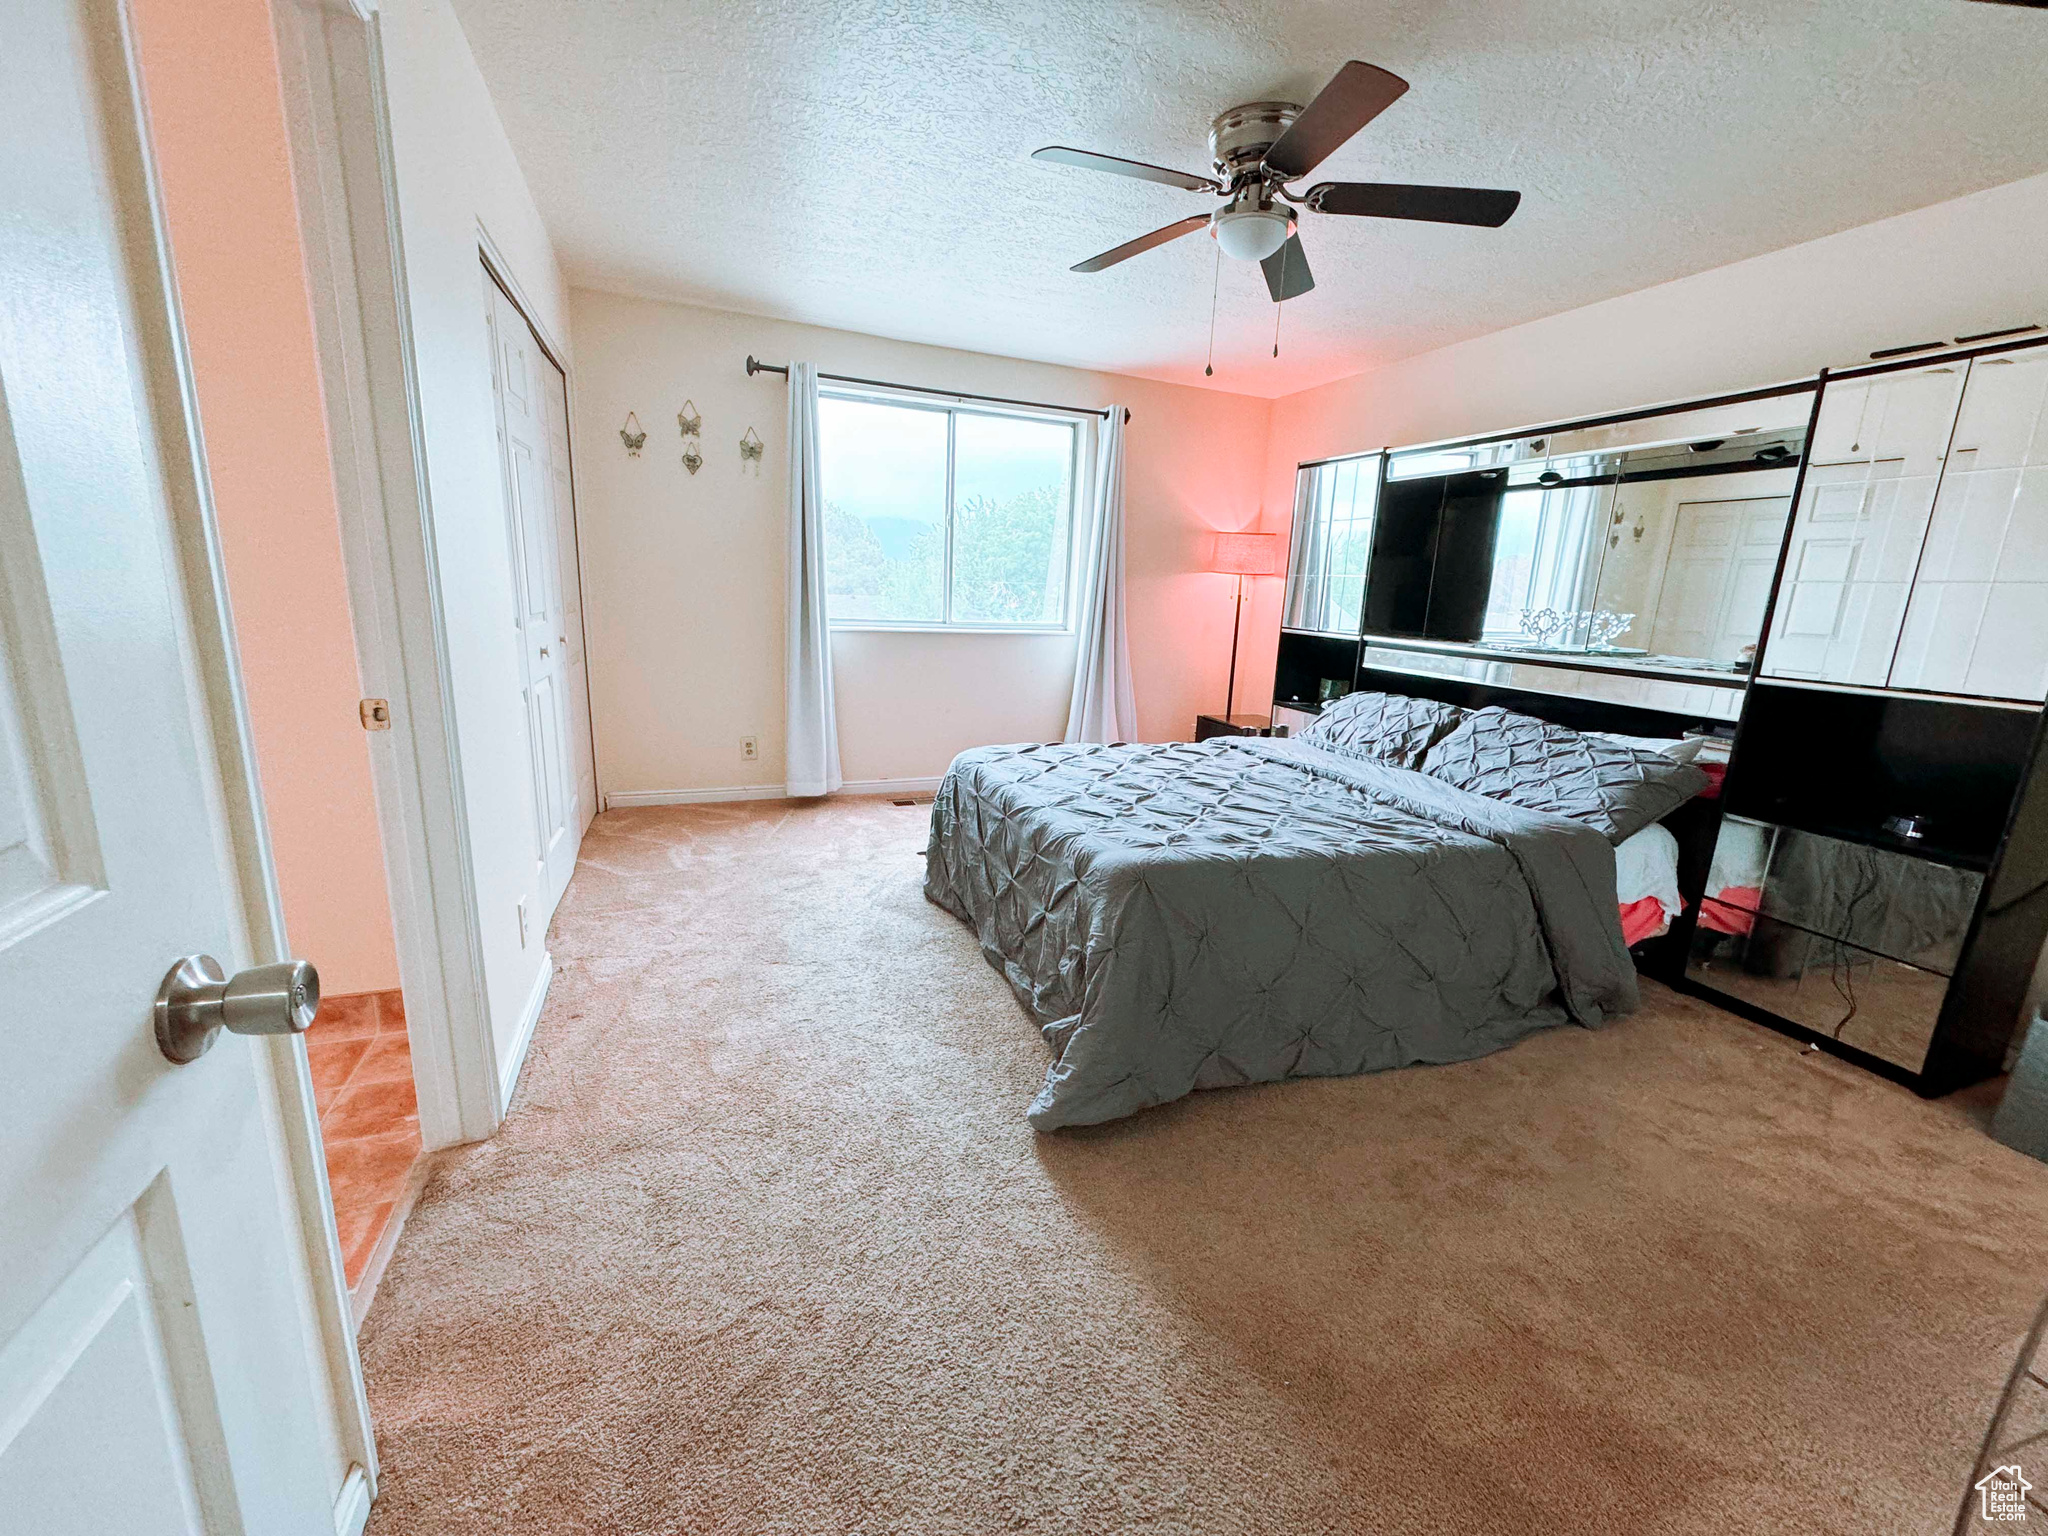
(624, 798)
(508, 1069)
(352, 1505)
(365, 1289)
(889, 786)
(620, 799)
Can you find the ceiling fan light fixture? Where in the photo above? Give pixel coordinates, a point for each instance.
(1251, 234)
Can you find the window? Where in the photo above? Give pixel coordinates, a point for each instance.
(1545, 555)
(1333, 519)
(946, 516)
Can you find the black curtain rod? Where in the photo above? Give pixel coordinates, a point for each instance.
(754, 366)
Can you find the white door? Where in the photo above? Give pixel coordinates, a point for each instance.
(554, 396)
(161, 1354)
(518, 371)
(1717, 578)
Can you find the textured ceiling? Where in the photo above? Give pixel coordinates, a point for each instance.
(863, 165)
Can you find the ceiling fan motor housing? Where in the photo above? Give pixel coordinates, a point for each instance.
(1240, 137)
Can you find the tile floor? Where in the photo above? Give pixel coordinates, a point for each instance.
(369, 1119)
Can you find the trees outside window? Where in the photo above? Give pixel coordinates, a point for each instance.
(946, 516)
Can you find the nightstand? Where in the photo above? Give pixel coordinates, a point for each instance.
(1232, 725)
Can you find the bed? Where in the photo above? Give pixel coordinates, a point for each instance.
(1186, 916)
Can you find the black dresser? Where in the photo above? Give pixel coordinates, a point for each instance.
(1890, 864)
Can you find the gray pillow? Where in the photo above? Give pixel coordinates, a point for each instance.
(1386, 727)
(1545, 767)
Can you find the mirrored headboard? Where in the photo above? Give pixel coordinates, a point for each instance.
(1645, 544)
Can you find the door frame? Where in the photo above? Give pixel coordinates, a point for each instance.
(285, 1079)
(343, 165)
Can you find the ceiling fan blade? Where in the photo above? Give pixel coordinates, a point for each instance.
(1143, 243)
(1059, 154)
(1433, 205)
(1356, 95)
(1287, 273)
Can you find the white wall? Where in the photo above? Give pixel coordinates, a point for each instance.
(457, 176)
(684, 574)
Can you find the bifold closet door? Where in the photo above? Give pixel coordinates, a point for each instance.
(1978, 620)
(519, 378)
(1717, 577)
(554, 397)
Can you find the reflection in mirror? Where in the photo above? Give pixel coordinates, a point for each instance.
(1546, 563)
(1878, 450)
(1647, 544)
(1333, 526)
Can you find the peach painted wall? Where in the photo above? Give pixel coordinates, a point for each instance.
(217, 122)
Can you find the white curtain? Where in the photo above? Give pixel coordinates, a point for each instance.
(1102, 708)
(813, 723)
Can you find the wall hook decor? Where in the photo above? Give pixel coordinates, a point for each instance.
(691, 424)
(631, 435)
(751, 447)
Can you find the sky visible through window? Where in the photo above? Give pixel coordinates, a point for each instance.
(884, 482)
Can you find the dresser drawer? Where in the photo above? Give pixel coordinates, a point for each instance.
(1890, 904)
(1854, 995)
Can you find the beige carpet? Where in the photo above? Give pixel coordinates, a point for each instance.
(767, 1247)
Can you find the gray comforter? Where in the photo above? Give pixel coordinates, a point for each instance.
(1239, 911)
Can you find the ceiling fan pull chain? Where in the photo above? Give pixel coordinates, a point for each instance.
(1215, 282)
(1278, 304)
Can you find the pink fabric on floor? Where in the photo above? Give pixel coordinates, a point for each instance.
(1735, 914)
(1642, 920)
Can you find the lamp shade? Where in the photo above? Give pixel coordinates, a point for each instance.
(1252, 234)
(1248, 554)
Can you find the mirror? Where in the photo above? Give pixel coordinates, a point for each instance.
(1645, 545)
(1920, 556)
(1878, 449)
(1334, 503)
(1977, 622)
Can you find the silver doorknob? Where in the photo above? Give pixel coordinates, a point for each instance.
(198, 1000)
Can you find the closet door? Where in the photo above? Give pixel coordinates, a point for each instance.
(1863, 515)
(575, 674)
(1978, 620)
(519, 369)
(1717, 577)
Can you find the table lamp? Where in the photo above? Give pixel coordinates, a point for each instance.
(1242, 555)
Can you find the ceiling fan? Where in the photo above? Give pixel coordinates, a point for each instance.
(1260, 147)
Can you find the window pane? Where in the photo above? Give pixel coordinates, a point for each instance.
(1013, 497)
(884, 479)
(1333, 521)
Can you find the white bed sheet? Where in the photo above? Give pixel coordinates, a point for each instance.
(1646, 864)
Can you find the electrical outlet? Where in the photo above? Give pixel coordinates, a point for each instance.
(522, 924)
(750, 748)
